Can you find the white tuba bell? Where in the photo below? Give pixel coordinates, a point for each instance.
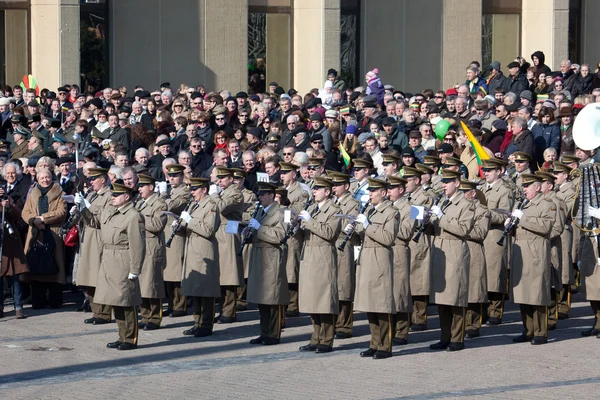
(586, 129)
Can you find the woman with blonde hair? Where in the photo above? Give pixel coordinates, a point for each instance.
(179, 108)
(350, 143)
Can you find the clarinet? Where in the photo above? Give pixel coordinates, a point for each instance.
(248, 235)
(361, 210)
(513, 222)
(424, 222)
(292, 227)
(179, 221)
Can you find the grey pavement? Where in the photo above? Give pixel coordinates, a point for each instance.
(53, 355)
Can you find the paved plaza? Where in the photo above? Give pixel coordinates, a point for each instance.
(53, 355)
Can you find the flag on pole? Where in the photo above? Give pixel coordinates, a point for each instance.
(480, 153)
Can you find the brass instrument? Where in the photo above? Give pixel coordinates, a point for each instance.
(513, 222)
(179, 221)
(294, 225)
(248, 235)
(361, 210)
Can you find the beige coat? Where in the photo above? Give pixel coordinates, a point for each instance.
(267, 279)
(406, 226)
(201, 261)
(176, 203)
(420, 252)
(230, 203)
(566, 192)
(530, 256)
(298, 198)
(317, 281)
(90, 239)
(450, 253)
(375, 267)
(124, 241)
(346, 266)
(250, 207)
(152, 284)
(54, 220)
(590, 268)
(498, 197)
(556, 239)
(477, 267)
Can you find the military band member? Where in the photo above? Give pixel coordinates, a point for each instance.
(298, 195)
(362, 170)
(435, 164)
(530, 264)
(420, 255)
(318, 290)
(201, 258)
(402, 298)
(426, 174)
(477, 299)
(90, 246)
(378, 229)
(267, 280)
(521, 161)
(547, 190)
(451, 222)
(566, 192)
(123, 253)
(177, 200)
(239, 178)
(572, 162)
(454, 164)
(391, 164)
(498, 197)
(316, 167)
(152, 285)
(230, 203)
(346, 267)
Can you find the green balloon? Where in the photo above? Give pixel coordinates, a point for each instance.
(441, 128)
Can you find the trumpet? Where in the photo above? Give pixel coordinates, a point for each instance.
(361, 210)
(513, 222)
(294, 225)
(179, 221)
(426, 220)
(248, 235)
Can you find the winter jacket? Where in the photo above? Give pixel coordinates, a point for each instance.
(498, 81)
(523, 142)
(545, 136)
(573, 83)
(518, 83)
(541, 68)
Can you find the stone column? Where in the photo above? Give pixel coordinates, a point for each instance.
(461, 39)
(15, 33)
(547, 29)
(55, 42)
(316, 42)
(279, 50)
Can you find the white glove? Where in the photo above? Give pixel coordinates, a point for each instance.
(186, 217)
(214, 189)
(437, 211)
(594, 212)
(73, 210)
(254, 224)
(132, 276)
(507, 222)
(349, 228)
(79, 199)
(517, 213)
(304, 215)
(87, 203)
(162, 187)
(362, 219)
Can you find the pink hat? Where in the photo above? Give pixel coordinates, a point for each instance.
(372, 75)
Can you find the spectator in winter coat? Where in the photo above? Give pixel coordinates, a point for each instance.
(397, 138)
(546, 133)
(571, 80)
(374, 85)
(522, 139)
(474, 82)
(497, 79)
(538, 59)
(517, 79)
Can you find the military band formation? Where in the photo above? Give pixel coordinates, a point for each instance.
(387, 245)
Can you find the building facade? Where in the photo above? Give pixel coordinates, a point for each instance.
(229, 44)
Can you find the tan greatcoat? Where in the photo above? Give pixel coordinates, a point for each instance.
(498, 197)
(250, 207)
(123, 237)
(176, 203)
(230, 203)
(566, 192)
(317, 286)
(375, 267)
(556, 239)
(420, 252)
(298, 198)
(201, 261)
(90, 245)
(590, 268)
(530, 256)
(477, 268)
(450, 252)
(402, 294)
(54, 220)
(346, 265)
(152, 284)
(267, 279)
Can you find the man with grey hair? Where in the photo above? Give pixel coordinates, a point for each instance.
(572, 81)
(141, 156)
(17, 186)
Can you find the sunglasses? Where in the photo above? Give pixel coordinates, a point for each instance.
(317, 142)
(266, 122)
(177, 105)
(201, 122)
(115, 194)
(219, 119)
(312, 168)
(287, 154)
(519, 161)
(196, 146)
(438, 97)
(196, 103)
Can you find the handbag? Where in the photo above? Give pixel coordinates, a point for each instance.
(40, 255)
(72, 237)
